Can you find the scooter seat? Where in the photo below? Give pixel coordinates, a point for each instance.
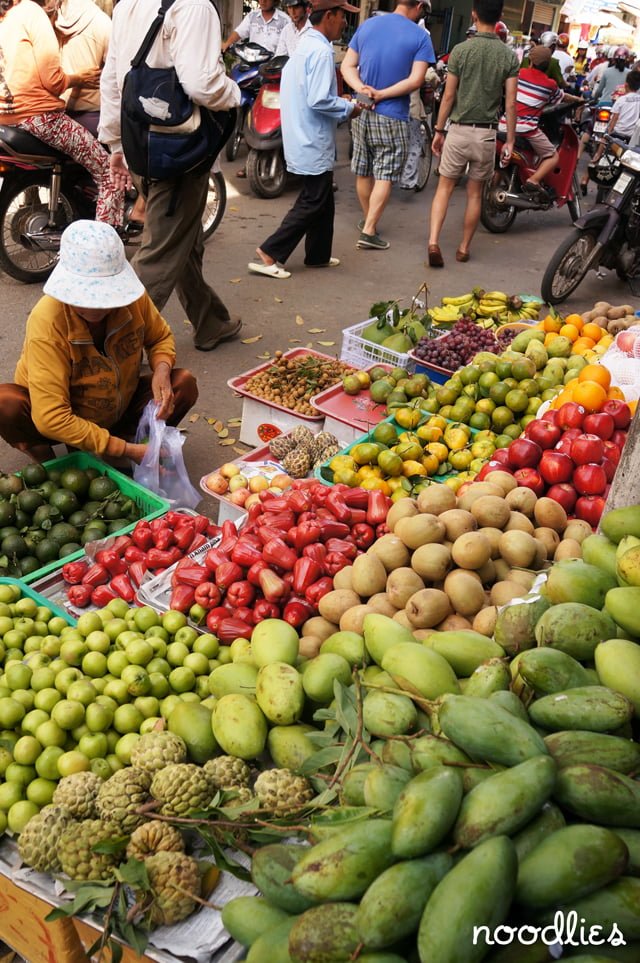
(521, 142)
(21, 142)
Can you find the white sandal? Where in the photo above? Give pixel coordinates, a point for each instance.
(269, 270)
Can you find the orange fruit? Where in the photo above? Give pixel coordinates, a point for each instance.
(590, 395)
(575, 320)
(597, 373)
(592, 330)
(569, 331)
(632, 406)
(551, 324)
(616, 394)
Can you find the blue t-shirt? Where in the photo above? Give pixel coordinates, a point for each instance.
(387, 48)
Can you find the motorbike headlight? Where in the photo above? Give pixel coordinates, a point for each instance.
(271, 99)
(631, 159)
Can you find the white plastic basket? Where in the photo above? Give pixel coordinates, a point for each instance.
(361, 353)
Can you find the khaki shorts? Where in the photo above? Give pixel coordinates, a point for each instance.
(475, 146)
(540, 144)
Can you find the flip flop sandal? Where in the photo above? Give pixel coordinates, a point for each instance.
(269, 270)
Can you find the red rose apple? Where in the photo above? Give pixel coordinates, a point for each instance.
(587, 448)
(590, 508)
(619, 411)
(556, 466)
(530, 478)
(524, 453)
(544, 433)
(590, 479)
(599, 423)
(571, 415)
(565, 495)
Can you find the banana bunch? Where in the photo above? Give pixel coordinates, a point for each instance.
(490, 309)
(448, 313)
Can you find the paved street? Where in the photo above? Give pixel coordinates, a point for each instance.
(329, 299)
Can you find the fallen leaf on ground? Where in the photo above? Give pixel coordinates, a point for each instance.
(228, 441)
(316, 330)
(235, 280)
(240, 451)
(264, 357)
(279, 300)
(235, 421)
(295, 341)
(193, 418)
(257, 337)
(326, 344)
(309, 344)
(299, 320)
(223, 433)
(234, 208)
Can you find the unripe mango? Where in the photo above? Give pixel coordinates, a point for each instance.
(381, 632)
(620, 522)
(511, 703)
(353, 783)
(491, 676)
(274, 640)
(600, 795)
(246, 918)
(273, 945)
(592, 708)
(383, 785)
(575, 747)
(320, 673)
(430, 751)
(623, 605)
(618, 665)
(598, 550)
(631, 839)
(289, 746)
(423, 669)
(425, 812)
(487, 732)
(464, 650)
(349, 645)
(386, 714)
(575, 581)
(617, 904)
(515, 625)
(324, 933)
(279, 693)
(239, 726)
(271, 869)
(549, 670)
(575, 629)
(235, 677)
(549, 819)
(343, 866)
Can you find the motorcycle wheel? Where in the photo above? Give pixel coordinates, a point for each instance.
(568, 266)
(496, 219)
(424, 161)
(215, 204)
(574, 207)
(259, 176)
(24, 206)
(232, 146)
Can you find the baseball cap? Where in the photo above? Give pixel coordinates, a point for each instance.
(332, 4)
(540, 56)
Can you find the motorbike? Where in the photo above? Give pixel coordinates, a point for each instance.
(607, 236)
(266, 170)
(44, 190)
(246, 74)
(505, 195)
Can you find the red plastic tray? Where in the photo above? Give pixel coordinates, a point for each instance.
(358, 411)
(238, 384)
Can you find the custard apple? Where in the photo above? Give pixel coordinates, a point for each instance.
(38, 842)
(181, 788)
(152, 837)
(302, 436)
(121, 795)
(281, 446)
(297, 463)
(325, 455)
(155, 750)
(323, 440)
(78, 793)
(75, 850)
(173, 878)
(227, 772)
(280, 790)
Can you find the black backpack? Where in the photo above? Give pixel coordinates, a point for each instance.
(164, 134)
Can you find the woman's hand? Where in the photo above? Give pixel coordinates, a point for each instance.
(135, 452)
(87, 78)
(162, 391)
(120, 176)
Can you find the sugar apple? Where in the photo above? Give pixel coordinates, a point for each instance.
(75, 850)
(280, 790)
(227, 772)
(78, 793)
(38, 842)
(323, 440)
(155, 750)
(297, 463)
(173, 878)
(181, 788)
(152, 837)
(281, 446)
(302, 436)
(121, 795)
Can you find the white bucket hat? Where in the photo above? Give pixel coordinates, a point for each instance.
(93, 271)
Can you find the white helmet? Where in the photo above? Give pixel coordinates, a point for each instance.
(548, 38)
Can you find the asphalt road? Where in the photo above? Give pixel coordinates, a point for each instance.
(330, 299)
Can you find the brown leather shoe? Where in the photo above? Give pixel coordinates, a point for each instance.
(435, 256)
(462, 255)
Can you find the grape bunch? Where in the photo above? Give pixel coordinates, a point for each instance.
(453, 350)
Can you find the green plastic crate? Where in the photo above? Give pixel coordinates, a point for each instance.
(151, 505)
(368, 437)
(28, 592)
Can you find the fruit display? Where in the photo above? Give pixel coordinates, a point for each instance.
(590, 333)
(47, 514)
(301, 451)
(489, 308)
(291, 381)
(457, 348)
(396, 329)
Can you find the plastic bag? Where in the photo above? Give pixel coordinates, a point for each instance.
(623, 360)
(162, 470)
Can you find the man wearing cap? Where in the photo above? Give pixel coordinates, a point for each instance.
(387, 59)
(262, 26)
(78, 380)
(311, 110)
(293, 32)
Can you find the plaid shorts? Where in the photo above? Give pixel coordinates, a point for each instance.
(380, 146)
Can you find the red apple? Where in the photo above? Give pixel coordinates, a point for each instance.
(550, 415)
(490, 466)
(501, 455)
(556, 466)
(530, 478)
(612, 452)
(587, 448)
(609, 468)
(524, 453)
(565, 495)
(619, 411)
(590, 508)
(619, 438)
(590, 479)
(544, 433)
(571, 415)
(599, 423)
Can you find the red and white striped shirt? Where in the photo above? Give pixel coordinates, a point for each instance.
(535, 92)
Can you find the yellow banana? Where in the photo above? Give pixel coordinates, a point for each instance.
(460, 299)
(487, 311)
(495, 296)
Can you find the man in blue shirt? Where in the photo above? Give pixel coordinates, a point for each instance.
(311, 111)
(387, 59)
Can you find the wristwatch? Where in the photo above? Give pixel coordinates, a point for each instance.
(438, 130)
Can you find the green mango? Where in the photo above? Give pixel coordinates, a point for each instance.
(349, 645)
(505, 802)
(381, 632)
(631, 839)
(547, 821)
(353, 783)
(324, 934)
(594, 708)
(343, 866)
(628, 567)
(289, 746)
(392, 906)
(477, 892)
(599, 795)
(239, 726)
(377, 331)
(399, 341)
(549, 670)
(516, 623)
(328, 821)
(395, 753)
(570, 863)
(425, 811)
(617, 904)
(425, 670)
(383, 785)
(192, 722)
(598, 550)
(487, 732)
(246, 918)
(464, 650)
(491, 676)
(511, 703)
(234, 677)
(386, 714)
(280, 693)
(430, 751)
(517, 953)
(620, 522)
(319, 675)
(623, 605)
(575, 629)
(618, 665)
(273, 946)
(271, 870)
(524, 338)
(472, 776)
(574, 747)
(575, 581)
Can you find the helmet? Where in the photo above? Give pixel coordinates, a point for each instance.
(502, 30)
(472, 30)
(621, 53)
(583, 45)
(563, 40)
(548, 38)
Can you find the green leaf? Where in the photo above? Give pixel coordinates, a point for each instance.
(321, 759)
(135, 936)
(111, 847)
(134, 873)
(116, 951)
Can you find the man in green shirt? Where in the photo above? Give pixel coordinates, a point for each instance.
(481, 71)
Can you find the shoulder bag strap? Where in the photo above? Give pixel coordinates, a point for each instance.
(151, 34)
